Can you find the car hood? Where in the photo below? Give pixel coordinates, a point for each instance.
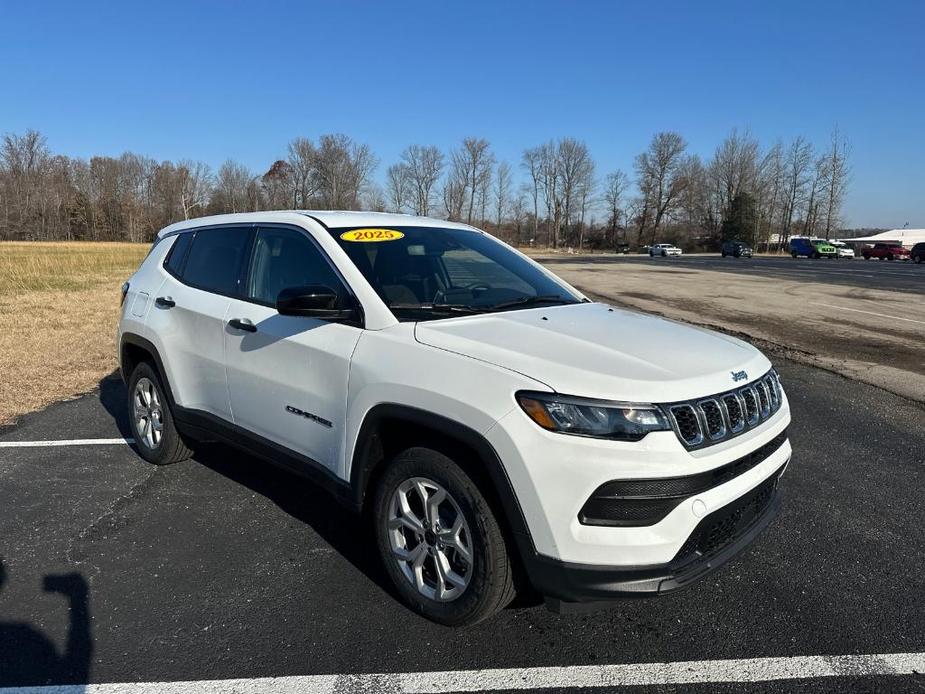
(594, 350)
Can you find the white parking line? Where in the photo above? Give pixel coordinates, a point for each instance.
(586, 676)
(871, 313)
(65, 442)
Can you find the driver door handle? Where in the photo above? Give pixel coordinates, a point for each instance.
(244, 324)
(165, 302)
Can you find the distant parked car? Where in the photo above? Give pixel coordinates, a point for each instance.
(811, 248)
(918, 253)
(890, 251)
(664, 250)
(623, 248)
(737, 249)
(842, 249)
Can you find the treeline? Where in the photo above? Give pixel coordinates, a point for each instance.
(554, 196)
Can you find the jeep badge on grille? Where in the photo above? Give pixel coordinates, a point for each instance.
(739, 376)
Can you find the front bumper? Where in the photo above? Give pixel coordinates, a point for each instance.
(718, 538)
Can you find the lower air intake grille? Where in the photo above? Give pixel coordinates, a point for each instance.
(721, 528)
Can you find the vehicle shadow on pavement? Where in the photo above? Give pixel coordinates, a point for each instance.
(346, 532)
(113, 398)
(306, 502)
(29, 657)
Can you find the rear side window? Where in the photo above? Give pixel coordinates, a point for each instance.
(177, 255)
(213, 262)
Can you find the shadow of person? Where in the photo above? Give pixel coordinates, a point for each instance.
(28, 657)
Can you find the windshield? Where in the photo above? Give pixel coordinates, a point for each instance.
(423, 273)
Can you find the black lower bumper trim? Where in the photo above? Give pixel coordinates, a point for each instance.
(568, 586)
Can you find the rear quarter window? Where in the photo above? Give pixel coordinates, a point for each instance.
(177, 255)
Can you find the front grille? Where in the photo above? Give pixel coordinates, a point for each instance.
(721, 528)
(750, 396)
(728, 414)
(633, 503)
(713, 419)
(686, 421)
(735, 411)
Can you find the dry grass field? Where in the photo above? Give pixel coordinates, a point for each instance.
(59, 305)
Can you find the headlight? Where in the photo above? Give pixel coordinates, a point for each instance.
(599, 418)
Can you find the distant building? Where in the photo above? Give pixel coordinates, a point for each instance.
(904, 237)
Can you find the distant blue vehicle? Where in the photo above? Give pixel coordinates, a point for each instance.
(812, 248)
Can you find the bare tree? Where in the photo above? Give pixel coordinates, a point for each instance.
(424, 165)
(399, 187)
(302, 161)
(659, 170)
(374, 198)
(576, 170)
(532, 162)
(279, 192)
(232, 194)
(797, 163)
(835, 174)
(343, 168)
(23, 159)
(552, 191)
(502, 192)
(811, 214)
(475, 161)
(614, 188)
(735, 166)
(455, 187)
(195, 186)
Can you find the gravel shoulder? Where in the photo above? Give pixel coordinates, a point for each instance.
(867, 334)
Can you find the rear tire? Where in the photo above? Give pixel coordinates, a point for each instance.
(157, 439)
(917, 259)
(793, 254)
(890, 257)
(472, 553)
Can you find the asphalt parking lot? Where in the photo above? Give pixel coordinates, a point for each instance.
(898, 275)
(223, 568)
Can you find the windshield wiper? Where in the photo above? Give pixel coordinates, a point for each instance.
(446, 308)
(529, 301)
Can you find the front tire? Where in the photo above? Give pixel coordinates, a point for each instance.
(157, 439)
(440, 541)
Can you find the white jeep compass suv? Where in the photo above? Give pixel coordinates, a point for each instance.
(497, 427)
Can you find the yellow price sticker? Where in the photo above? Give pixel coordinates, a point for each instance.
(372, 235)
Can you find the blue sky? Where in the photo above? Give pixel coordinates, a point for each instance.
(213, 80)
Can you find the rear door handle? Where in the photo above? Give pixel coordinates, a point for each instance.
(244, 324)
(165, 302)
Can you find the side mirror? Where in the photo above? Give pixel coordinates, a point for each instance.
(313, 301)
